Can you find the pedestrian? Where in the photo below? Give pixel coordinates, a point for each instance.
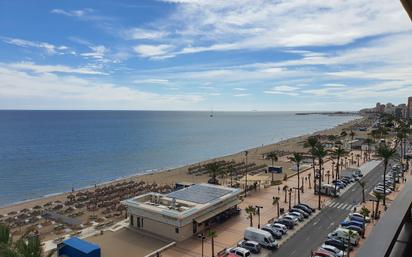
(278, 189)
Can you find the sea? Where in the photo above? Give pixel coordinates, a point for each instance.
(49, 152)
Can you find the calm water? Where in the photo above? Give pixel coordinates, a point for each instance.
(45, 152)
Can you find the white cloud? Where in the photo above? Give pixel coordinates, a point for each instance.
(151, 81)
(98, 52)
(139, 33)
(259, 24)
(83, 14)
(70, 92)
(239, 89)
(154, 51)
(241, 95)
(30, 66)
(49, 48)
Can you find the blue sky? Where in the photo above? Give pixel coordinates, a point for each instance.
(204, 54)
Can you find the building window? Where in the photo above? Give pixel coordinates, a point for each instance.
(138, 222)
(177, 230)
(131, 220)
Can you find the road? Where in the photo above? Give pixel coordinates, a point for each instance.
(314, 233)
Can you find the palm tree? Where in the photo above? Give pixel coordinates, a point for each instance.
(276, 200)
(362, 184)
(338, 153)
(369, 141)
(212, 234)
(213, 168)
(251, 211)
(311, 143)
(285, 189)
(25, 246)
(320, 153)
(273, 157)
(352, 135)
(349, 235)
(379, 197)
(343, 133)
(231, 171)
(387, 153)
(297, 158)
(400, 137)
(358, 159)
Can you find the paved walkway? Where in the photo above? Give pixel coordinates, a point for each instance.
(231, 231)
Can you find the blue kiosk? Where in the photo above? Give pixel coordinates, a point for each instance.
(75, 247)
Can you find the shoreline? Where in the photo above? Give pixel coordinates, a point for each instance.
(178, 173)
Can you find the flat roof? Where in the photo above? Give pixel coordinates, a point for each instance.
(81, 245)
(200, 193)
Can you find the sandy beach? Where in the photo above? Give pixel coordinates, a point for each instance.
(172, 176)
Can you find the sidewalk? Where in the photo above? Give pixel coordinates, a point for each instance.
(231, 231)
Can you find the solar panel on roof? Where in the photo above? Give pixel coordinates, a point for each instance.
(199, 193)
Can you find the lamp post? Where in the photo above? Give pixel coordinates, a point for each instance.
(318, 176)
(290, 196)
(246, 168)
(294, 194)
(303, 185)
(258, 213)
(202, 237)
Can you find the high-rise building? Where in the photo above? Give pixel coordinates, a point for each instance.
(409, 112)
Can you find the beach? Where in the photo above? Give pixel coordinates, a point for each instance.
(171, 176)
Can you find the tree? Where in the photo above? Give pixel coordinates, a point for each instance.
(213, 168)
(362, 184)
(349, 235)
(231, 171)
(275, 200)
(285, 189)
(273, 157)
(369, 142)
(319, 152)
(297, 159)
(338, 153)
(343, 133)
(27, 245)
(387, 153)
(212, 235)
(352, 135)
(379, 197)
(251, 211)
(311, 143)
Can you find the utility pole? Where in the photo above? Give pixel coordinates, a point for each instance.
(258, 213)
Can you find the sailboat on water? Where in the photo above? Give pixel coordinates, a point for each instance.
(211, 114)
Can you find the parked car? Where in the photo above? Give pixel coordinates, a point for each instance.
(356, 218)
(355, 214)
(289, 224)
(341, 233)
(360, 231)
(348, 222)
(322, 253)
(335, 251)
(252, 246)
(305, 214)
(238, 251)
(307, 206)
(277, 234)
(303, 208)
(291, 218)
(297, 215)
(280, 227)
(264, 238)
(337, 243)
(380, 190)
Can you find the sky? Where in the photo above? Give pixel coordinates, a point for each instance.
(292, 55)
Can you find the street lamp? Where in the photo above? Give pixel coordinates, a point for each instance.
(258, 213)
(290, 196)
(202, 237)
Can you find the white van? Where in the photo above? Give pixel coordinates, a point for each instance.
(341, 234)
(262, 237)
